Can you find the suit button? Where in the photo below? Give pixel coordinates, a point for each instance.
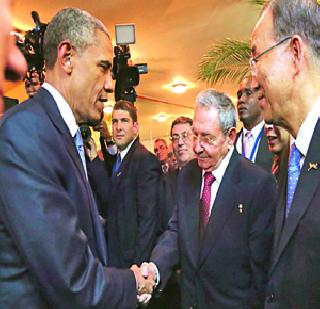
(270, 298)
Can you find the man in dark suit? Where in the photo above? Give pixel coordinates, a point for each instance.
(52, 247)
(133, 207)
(285, 50)
(221, 231)
(251, 141)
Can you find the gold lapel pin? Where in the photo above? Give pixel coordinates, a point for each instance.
(313, 165)
(240, 207)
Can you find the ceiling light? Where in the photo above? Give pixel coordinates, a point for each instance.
(178, 85)
(179, 88)
(161, 117)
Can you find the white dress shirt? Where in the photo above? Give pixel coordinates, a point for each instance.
(306, 131)
(255, 131)
(64, 108)
(218, 174)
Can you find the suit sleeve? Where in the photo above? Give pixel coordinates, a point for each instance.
(261, 234)
(100, 183)
(166, 253)
(42, 221)
(148, 203)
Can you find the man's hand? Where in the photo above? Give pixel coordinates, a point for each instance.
(145, 284)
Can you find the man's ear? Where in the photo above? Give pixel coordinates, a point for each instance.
(65, 53)
(297, 50)
(232, 134)
(136, 126)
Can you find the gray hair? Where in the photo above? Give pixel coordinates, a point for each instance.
(300, 17)
(220, 101)
(76, 26)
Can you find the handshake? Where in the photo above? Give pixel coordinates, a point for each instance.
(146, 279)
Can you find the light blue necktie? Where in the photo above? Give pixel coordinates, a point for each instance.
(116, 166)
(80, 149)
(293, 175)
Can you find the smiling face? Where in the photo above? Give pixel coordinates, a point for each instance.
(278, 138)
(274, 70)
(91, 80)
(182, 143)
(206, 125)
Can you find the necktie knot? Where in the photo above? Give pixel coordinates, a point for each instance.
(295, 156)
(208, 179)
(248, 134)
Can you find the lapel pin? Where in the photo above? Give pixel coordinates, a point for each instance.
(312, 166)
(119, 173)
(240, 207)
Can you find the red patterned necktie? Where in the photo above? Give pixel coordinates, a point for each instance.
(275, 165)
(206, 200)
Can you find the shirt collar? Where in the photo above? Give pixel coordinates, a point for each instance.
(126, 150)
(306, 130)
(221, 169)
(64, 108)
(255, 131)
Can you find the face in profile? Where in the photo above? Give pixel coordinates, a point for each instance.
(92, 79)
(249, 110)
(12, 62)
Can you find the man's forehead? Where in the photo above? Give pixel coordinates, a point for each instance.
(264, 29)
(181, 126)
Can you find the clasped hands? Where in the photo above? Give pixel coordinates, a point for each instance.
(146, 278)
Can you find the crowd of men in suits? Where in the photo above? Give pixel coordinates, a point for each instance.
(78, 233)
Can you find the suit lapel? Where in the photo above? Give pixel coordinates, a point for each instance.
(224, 203)
(309, 181)
(116, 180)
(189, 209)
(50, 106)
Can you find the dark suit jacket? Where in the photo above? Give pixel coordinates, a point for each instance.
(295, 271)
(229, 268)
(264, 156)
(52, 252)
(169, 197)
(133, 207)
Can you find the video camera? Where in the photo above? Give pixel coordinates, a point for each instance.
(31, 47)
(125, 74)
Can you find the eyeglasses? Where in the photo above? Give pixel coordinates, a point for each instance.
(204, 141)
(184, 136)
(254, 60)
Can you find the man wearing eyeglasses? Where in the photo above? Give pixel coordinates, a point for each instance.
(286, 61)
(251, 141)
(221, 232)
